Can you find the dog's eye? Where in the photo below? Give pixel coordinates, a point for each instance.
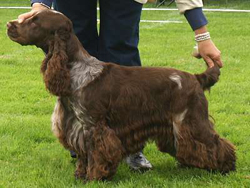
(35, 18)
(33, 25)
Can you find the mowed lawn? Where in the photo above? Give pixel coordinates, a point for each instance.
(30, 156)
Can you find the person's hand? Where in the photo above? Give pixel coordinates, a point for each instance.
(210, 53)
(207, 50)
(35, 8)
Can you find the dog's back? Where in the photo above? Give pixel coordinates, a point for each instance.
(208, 78)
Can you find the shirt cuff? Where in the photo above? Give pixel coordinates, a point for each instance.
(46, 2)
(195, 18)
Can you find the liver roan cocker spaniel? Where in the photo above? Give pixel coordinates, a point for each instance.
(105, 112)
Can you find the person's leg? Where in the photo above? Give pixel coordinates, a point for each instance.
(119, 32)
(83, 14)
(118, 43)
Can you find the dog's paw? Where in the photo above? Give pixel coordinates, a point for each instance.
(80, 174)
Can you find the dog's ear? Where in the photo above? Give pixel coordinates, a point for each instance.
(54, 67)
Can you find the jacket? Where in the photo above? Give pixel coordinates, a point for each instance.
(182, 5)
(192, 9)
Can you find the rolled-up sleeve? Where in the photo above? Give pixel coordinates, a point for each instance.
(192, 9)
(184, 5)
(46, 2)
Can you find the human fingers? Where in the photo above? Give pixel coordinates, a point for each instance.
(218, 61)
(25, 16)
(209, 61)
(36, 7)
(210, 53)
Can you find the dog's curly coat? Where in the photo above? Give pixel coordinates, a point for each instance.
(105, 112)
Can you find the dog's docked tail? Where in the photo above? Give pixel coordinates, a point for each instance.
(208, 78)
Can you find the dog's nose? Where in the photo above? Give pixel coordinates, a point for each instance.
(12, 29)
(8, 25)
(12, 24)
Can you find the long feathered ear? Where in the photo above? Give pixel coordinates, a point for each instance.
(54, 67)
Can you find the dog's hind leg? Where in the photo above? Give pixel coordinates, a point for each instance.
(105, 152)
(198, 145)
(192, 152)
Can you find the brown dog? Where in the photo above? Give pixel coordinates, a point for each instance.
(105, 112)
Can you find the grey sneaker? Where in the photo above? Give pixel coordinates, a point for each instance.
(138, 162)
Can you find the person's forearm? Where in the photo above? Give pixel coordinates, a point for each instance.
(200, 30)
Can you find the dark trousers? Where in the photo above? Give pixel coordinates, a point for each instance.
(118, 37)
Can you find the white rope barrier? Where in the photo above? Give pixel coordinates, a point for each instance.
(159, 9)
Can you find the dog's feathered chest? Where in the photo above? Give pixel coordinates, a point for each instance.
(84, 72)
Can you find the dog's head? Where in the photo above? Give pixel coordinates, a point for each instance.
(40, 29)
(52, 32)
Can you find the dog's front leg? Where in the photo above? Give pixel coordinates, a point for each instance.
(104, 151)
(81, 168)
(59, 119)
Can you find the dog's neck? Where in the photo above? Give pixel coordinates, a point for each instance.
(84, 67)
(75, 50)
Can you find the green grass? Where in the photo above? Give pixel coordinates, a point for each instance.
(30, 156)
(236, 4)
(232, 4)
(14, 3)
